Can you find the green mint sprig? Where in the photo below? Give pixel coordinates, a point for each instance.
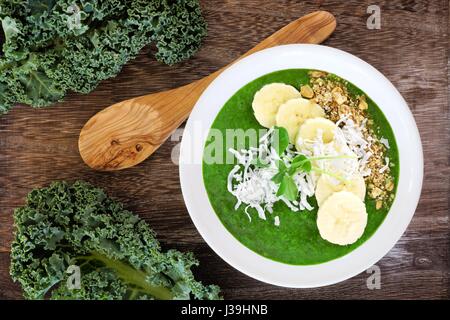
(301, 163)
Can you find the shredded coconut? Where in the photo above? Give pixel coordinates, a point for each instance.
(386, 166)
(253, 186)
(276, 221)
(353, 136)
(385, 142)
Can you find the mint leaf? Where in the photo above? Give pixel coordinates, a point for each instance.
(288, 188)
(301, 163)
(277, 178)
(298, 159)
(280, 165)
(306, 167)
(280, 140)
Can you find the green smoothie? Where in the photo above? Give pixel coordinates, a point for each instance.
(296, 240)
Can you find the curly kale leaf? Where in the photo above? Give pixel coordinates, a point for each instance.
(117, 253)
(52, 47)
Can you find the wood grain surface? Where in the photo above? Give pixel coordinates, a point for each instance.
(126, 133)
(411, 49)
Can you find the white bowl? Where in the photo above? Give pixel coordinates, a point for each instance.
(378, 88)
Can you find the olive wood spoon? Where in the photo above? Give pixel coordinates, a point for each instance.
(126, 133)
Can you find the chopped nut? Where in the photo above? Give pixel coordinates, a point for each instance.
(344, 109)
(307, 92)
(378, 204)
(317, 74)
(338, 95)
(376, 192)
(333, 96)
(390, 185)
(362, 103)
(359, 119)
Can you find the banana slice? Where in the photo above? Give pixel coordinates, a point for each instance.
(342, 218)
(327, 185)
(268, 99)
(309, 130)
(294, 112)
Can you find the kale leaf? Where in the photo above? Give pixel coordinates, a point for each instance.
(52, 47)
(117, 252)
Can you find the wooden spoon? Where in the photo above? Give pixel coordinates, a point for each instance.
(128, 132)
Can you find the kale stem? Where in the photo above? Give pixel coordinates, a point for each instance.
(134, 276)
(133, 294)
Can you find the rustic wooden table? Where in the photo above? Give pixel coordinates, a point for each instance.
(411, 49)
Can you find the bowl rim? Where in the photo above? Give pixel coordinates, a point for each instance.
(378, 88)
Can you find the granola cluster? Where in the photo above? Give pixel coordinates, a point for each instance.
(332, 94)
